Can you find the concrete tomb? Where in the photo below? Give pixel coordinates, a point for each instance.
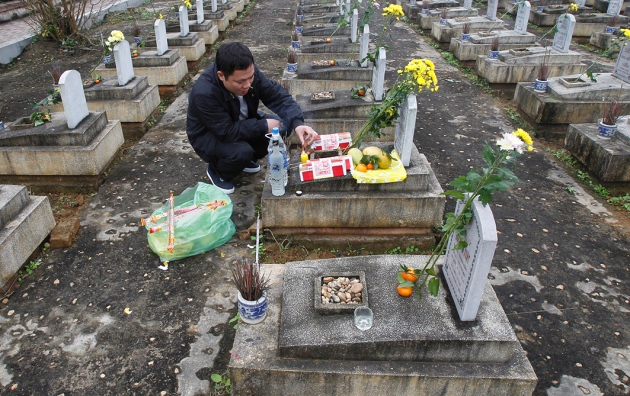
(68, 153)
(427, 20)
(516, 65)
(217, 16)
(163, 67)
(453, 27)
(479, 43)
(606, 158)
(204, 28)
(25, 222)
(415, 346)
(190, 45)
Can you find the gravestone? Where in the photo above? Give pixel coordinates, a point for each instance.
(124, 65)
(223, 1)
(492, 10)
(622, 67)
(74, 103)
(364, 46)
(183, 21)
(354, 26)
(200, 17)
(214, 5)
(614, 7)
(466, 270)
(562, 38)
(580, 3)
(378, 75)
(522, 17)
(160, 36)
(468, 4)
(405, 126)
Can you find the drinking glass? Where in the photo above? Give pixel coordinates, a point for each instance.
(363, 318)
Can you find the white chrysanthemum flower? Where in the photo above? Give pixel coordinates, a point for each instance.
(510, 142)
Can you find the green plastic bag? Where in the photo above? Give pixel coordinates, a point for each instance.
(202, 223)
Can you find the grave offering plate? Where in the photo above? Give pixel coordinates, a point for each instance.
(325, 96)
(318, 25)
(318, 41)
(22, 123)
(336, 290)
(322, 63)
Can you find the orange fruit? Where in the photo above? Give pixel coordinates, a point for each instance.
(361, 168)
(405, 291)
(370, 165)
(97, 81)
(409, 275)
(361, 92)
(135, 54)
(328, 40)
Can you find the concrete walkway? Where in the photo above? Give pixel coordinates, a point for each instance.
(101, 318)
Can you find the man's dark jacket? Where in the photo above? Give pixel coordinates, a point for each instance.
(213, 112)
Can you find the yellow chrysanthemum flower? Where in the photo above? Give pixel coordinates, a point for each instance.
(524, 136)
(573, 7)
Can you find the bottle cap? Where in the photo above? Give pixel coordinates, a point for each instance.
(275, 131)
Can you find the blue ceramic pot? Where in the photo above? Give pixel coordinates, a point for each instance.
(252, 312)
(292, 67)
(606, 131)
(295, 44)
(540, 86)
(493, 54)
(465, 37)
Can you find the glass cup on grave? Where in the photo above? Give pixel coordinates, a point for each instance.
(363, 318)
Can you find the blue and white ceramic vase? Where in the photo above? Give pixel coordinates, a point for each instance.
(606, 131)
(252, 312)
(540, 8)
(107, 59)
(137, 39)
(442, 22)
(540, 86)
(425, 11)
(465, 37)
(493, 54)
(295, 44)
(610, 29)
(292, 67)
(299, 29)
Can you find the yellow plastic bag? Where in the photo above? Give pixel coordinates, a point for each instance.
(395, 173)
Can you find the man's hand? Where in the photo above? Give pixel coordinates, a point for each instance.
(272, 123)
(306, 134)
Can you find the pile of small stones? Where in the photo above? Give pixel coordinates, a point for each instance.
(341, 290)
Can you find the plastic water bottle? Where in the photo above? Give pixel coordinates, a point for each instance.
(276, 167)
(283, 150)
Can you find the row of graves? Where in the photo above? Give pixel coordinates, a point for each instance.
(552, 87)
(72, 150)
(458, 342)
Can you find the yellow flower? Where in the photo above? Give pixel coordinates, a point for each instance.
(574, 7)
(160, 16)
(393, 9)
(524, 136)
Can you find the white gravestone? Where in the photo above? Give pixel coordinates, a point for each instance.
(492, 10)
(378, 75)
(73, 97)
(412, 2)
(522, 17)
(580, 3)
(466, 270)
(622, 67)
(124, 64)
(160, 36)
(364, 46)
(614, 7)
(214, 5)
(200, 16)
(562, 38)
(468, 4)
(354, 25)
(223, 1)
(405, 126)
(183, 21)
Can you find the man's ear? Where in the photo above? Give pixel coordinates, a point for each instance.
(221, 75)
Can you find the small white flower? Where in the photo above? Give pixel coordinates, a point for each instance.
(510, 142)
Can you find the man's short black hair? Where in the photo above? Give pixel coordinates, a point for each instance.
(233, 56)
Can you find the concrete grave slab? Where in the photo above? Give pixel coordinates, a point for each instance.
(453, 27)
(13, 199)
(348, 375)
(426, 20)
(479, 43)
(206, 30)
(606, 158)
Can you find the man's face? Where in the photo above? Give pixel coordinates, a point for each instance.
(239, 82)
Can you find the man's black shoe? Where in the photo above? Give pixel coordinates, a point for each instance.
(223, 185)
(252, 167)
